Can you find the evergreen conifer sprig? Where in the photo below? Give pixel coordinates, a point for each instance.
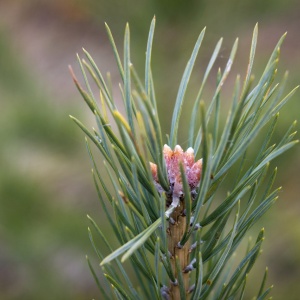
(162, 204)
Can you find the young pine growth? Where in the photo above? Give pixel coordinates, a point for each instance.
(165, 205)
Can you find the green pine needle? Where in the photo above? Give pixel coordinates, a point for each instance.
(139, 199)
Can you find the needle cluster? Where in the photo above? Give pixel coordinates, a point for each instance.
(167, 210)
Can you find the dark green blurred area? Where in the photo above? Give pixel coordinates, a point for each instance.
(46, 189)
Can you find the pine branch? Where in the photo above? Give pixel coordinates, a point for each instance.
(167, 214)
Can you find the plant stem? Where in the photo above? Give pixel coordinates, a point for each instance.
(176, 230)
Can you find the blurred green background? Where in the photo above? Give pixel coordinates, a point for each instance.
(46, 188)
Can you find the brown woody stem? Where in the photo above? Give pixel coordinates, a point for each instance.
(175, 233)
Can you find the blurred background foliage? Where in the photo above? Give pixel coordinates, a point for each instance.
(46, 189)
